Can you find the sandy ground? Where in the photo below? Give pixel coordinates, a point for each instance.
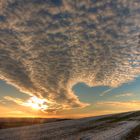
(81, 129)
(115, 133)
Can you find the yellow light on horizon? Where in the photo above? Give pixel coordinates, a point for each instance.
(36, 103)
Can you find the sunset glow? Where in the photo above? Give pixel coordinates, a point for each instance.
(36, 103)
(68, 58)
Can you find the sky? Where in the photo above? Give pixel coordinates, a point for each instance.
(102, 100)
(69, 58)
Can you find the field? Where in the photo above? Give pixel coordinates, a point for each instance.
(124, 126)
(19, 122)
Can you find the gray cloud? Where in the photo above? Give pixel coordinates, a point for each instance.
(46, 46)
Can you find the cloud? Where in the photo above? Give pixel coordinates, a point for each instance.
(106, 92)
(125, 95)
(36, 103)
(47, 46)
(119, 105)
(15, 100)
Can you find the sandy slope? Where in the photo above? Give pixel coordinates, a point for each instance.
(93, 128)
(114, 133)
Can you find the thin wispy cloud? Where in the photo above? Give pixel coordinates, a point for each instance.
(106, 92)
(125, 95)
(15, 100)
(48, 46)
(121, 105)
(2, 102)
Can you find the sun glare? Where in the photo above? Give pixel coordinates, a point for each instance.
(37, 103)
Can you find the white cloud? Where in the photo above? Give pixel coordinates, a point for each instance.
(125, 95)
(106, 92)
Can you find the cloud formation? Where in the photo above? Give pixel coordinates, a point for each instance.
(116, 105)
(125, 95)
(47, 46)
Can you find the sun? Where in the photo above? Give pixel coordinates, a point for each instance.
(37, 103)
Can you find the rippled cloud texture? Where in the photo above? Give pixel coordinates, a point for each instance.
(47, 46)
